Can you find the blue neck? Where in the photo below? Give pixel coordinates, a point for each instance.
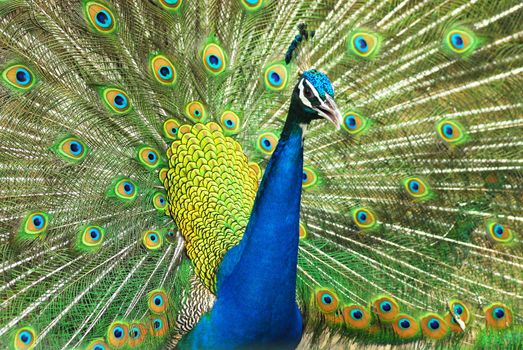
(256, 298)
(267, 255)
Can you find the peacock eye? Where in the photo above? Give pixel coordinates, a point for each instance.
(214, 59)
(25, 339)
(499, 233)
(308, 92)
(326, 300)
(117, 100)
(99, 17)
(19, 77)
(385, 306)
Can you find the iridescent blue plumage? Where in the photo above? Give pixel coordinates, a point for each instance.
(256, 294)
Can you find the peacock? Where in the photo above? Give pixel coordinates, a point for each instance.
(261, 174)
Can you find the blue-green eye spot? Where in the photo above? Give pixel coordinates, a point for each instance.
(350, 121)
(95, 234)
(434, 324)
(214, 61)
(99, 347)
(275, 79)
(448, 130)
(165, 72)
(499, 230)
(151, 156)
(158, 301)
(404, 323)
(135, 332)
(362, 216)
(103, 19)
(457, 41)
(326, 299)
(356, 314)
(38, 221)
(361, 44)
(414, 186)
(128, 187)
(498, 313)
(458, 309)
(118, 332)
(266, 143)
(25, 337)
(120, 101)
(385, 306)
(157, 323)
(76, 148)
(229, 123)
(153, 237)
(23, 77)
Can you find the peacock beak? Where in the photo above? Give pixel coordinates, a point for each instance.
(329, 110)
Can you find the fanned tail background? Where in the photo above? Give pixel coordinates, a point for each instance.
(416, 202)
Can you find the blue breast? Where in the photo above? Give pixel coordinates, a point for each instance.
(256, 298)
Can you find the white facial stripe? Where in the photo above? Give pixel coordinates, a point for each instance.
(304, 99)
(314, 91)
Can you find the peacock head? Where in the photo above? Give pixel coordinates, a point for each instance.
(314, 96)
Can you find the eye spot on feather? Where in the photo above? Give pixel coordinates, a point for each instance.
(326, 300)
(34, 224)
(99, 17)
(276, 77)
(171, 5)
(459, 310)
(417, 188)
(158, 301)
(196, 111)
(354, 123)
(386, 308)
(97, 344)
(19, 77)
(405, 326)
(125, 189)
(170, 236)
(267, 143)
(137, 333)
(159, 326)
(252, 5)
(434, 326)
(214, 59)
(230, 122)
(498, 316)
(91, 238)
(356, 317)
(117, 334)
(163, 70)
(363, 44)
(364, 218)
(309, 177)
(148, 157)
(71, 149)
(461, 41)
(499, 233)
(171, 128)
(116, 100)
(25, 338)
(152, 240)
(451, 131)
(160, 201)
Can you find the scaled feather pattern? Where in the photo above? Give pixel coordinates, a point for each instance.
(143, 171)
